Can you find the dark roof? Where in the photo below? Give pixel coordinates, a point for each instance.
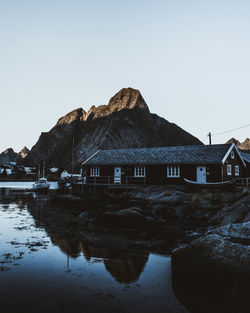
(161, 155)
(245, 156)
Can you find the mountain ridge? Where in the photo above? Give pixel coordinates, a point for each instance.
(125, 122)
(244, 145)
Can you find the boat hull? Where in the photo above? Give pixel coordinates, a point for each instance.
(213, 185)
(41, 187)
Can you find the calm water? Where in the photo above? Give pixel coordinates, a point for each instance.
(46, 267)
(24, 185)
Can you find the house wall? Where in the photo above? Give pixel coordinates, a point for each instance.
(246, 170)
(155, 174)
(213, 173)
(232, 162)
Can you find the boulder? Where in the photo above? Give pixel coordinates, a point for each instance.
(131, 218)
(212, 273)
(214, 253)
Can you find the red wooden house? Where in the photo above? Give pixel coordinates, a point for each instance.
(165, 165)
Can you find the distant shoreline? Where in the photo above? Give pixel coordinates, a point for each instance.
(25, 179)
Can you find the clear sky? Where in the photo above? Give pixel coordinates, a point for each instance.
(189, 58)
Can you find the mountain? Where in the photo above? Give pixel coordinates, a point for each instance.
(9, 155)
(245, 145)
(125, 122)
(24, 152)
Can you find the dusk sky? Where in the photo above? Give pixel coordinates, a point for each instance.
(189, 58)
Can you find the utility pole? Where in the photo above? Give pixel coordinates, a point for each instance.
(210, 138)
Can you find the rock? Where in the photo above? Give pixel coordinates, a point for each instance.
(212, 273)
(213, 253)
(237, 211)
(131, 218)
(233, 231)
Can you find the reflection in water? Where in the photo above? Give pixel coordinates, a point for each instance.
(49, 267)
(125, 267)
(40, 202)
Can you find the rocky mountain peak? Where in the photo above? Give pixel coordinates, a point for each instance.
(127, 98)
(245, 145)
(77, 114)
(8, 155)
(233, 140)
(8, 151)
(24, 152)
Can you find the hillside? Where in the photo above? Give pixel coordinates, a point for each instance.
(125, 122)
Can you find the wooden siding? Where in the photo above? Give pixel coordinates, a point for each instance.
(157, 174)
(232, 162)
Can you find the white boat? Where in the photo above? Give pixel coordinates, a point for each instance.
(42, 183)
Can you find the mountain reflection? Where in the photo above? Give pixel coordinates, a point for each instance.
(125, 267)
(67, 233)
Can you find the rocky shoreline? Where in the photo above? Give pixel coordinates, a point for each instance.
(173, 216)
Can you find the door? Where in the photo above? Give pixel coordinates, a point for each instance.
(117, 174)
(201, 174)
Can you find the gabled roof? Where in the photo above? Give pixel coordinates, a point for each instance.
(233, 146)
(245, 156)
(202, 154)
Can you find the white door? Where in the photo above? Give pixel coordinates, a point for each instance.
(201, 174)
(117, 174)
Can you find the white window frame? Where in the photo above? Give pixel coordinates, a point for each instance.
(173, 171)
(140, 171)
(232, 154)
(229, 169)
(94, 171)
(237, 170)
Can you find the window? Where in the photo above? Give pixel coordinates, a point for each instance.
(173, 171)
(140, 171)
(237, 170)
(229, 169)
(232, 155)
(95, 171)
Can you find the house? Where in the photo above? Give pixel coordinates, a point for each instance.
(246, 158)
(165, 165)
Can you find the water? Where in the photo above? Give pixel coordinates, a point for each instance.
(47, 266)
(24, 185)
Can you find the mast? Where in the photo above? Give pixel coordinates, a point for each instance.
(73, 152)
(43, 168)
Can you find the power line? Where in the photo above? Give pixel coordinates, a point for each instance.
(204, 139)
(228, 131)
